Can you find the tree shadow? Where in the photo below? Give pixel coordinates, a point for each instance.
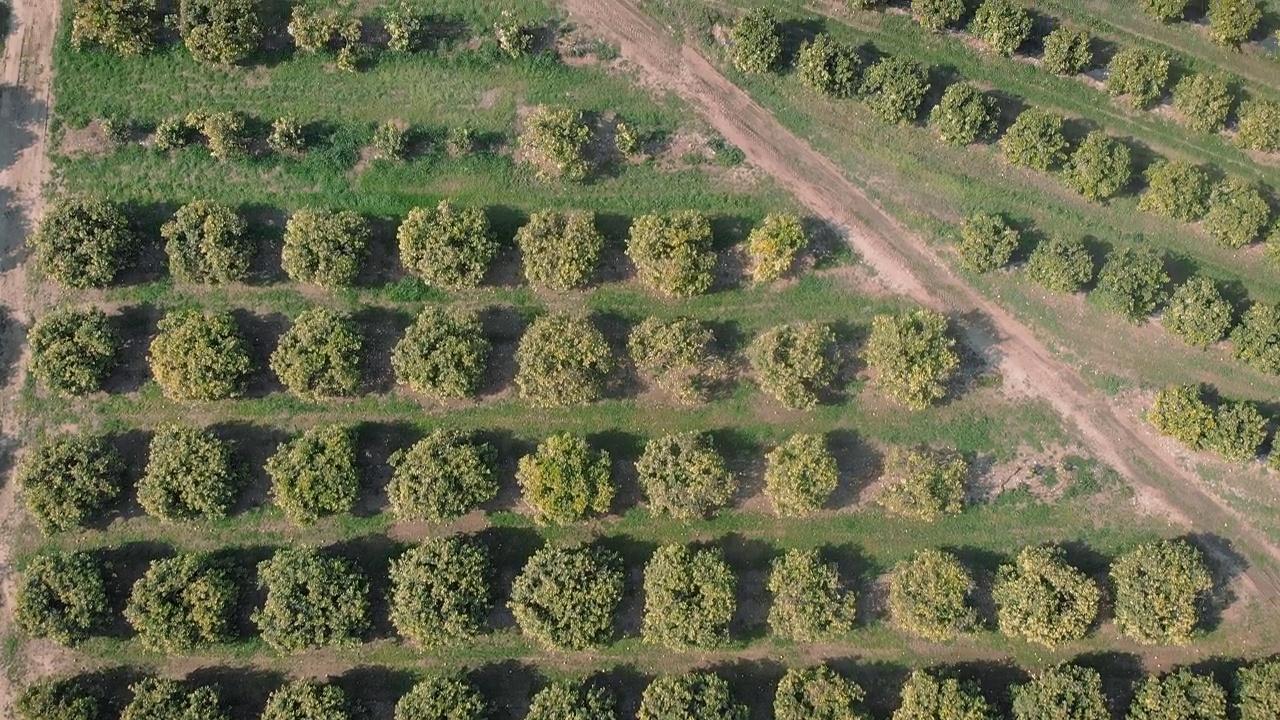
(623, 448)
(136, 326)
(882, 680)
(151, 262)
(744, 457)
(503, 327)
(795, 33)
(134, 447)
(123, 566)
(262, 335)
(382, 262)
(992, 678)
(375, 689)
(111, 686)
(614, 265)
(629, 616)
(858, 573)
(375, 443)
(266, 232)
(624, 380)
(509, 549)
(626, 684)
(251, 444)
(242, 562)
(982, 564)
(858, 463)
(1120, 672)
(373, 554)
(828, 247)
(243, 690)
(750, 560)
(752, 682)
(507, 686)
(509, 449)
(1225, 564)
(380, 329)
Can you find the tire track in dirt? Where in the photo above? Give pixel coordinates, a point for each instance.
(903, 264)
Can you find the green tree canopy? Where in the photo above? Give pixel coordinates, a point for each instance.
(1132, 282)
(678, 355)
(315, 474)
(684, 476)
(1180, 694)
(1238, 213)
(443, 354)
(83, 242)
(800, 475)
(566, 598)
(199, 356)
(189, 475)
(325, 248)
(1259, 125)
(1041, 598)
(443, 697)
(987, 242)
(73, 351)
(1100, 168)
(1197, 312)
(928, 697)
(1068, 51)
(62, 597)
(1063, 692)
(206, 243)
(447, 246)
(565, 480)
(929, 596)
(307, 700)
(829, 66)
(155, 697)
(894, 88)
(1002, 24)
(1167, 10)
(795, 362)
(66, 698)
(441, 591)
(672, 253)
(1180, 412)
(1061, 264)
(572, 701)
(1158, 588)
(1231, 22)
(754, 41)
(965, 115)
(69, 480)
(937, 15)
(773, 246)
(1238, 431)
(810, 602)
(1204, 99)
(561, 249)
(319, 356)
(688, 598)
(312, 600)
(562, 360)
(1139, 72)
(444, 476)
(817, 693)
(182, 603)
(924, 485)
(1035, 140)
(705, 696)
(1258, 690)
(1176, 189)
(1256, 340)
(224, 32)
(912, 356)
(125, 27)
(555, 142)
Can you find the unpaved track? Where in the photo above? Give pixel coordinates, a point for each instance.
(905, 265)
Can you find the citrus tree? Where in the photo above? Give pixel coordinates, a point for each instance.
(1003, 25)
(929, 596)
(443, 695)
(1258, 690)
(1140, 73)
(324, 248)
(1197, 312)
(678, 355)
(447, 246)
(315, 474)
(1204, 99)
(182, 603)
(894, 88)
(555, 141)
(810, 602)
(319, 356)
(754, 42)
(206, 243)
(155, 697)
(443, 354)
(312, 600)
(1181, 412)
(773, 246)
(817, 693)
(1158, 587)
(198, 356)
(688, 598)
(1238, 214)
(566, 598)
(1231, 22)
(926, 697)
(1099, 168)
(912, 356)
(563, 700)
(444, 476)
(965, 115)
(561, 249)
(69, 480)
(220, 31)
(924, 485)
(564, 480)
(562, 360)
(705, 696)
(672, 253)
(126, 27)
(1259, 125)
(987, 242)
(83, 242)
(441, 591)
(800, 474)
(1068, 51)
(1179, 693)
(1238, 431)
(58, 698)
(1035, 140)
(73, 351)
(1041, 598)
(1061, 264)
(1132, 282)
(684, 476)
(829, 66)
(189, 475)
(1256, 339)
(307, 700)
(62, 597)
(795, 362)
(1064, 691)
(1176, 189)
(937, 15)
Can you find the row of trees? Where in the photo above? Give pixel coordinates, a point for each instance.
(568, 597)
(1067, 690)
(1235, 430)
(1231, 22)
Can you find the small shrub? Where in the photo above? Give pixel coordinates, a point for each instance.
(928, 596)
(754, 42)
(62, 597)
(223, 131)
(405, 28)
(315, 474)
(220, 31)
(307, 700)
(795, 363)
(442, 354)
(57, 699)
(1256, 340)
(672, 253)
(182, 603)
(912, 355)
(684, 476)
(627, 140)
(199, 357)
(986, 242)
(555, 142)
(1002, 24)
(513, 38)
(1181, 412)
(1061, 264)
(688, 598)
(1198, 313)
(312, 601)
(1041, 598)
(390, 141)
(810, 603)
(287, 136)
(171, 133)
(155, 697)
(447, 246)
(565, 598)
(1132, 282)
(69, 480)
(324, 248)
(1139, 72)
(572, 701)
(313, 29)
(829, 66)
(677, 355)
(461, 141)
(705, 696)
(561, 249)
(189, 475)
(895, 88)
(1063, 691)
(1258, 690)
(1231, 22)
(1238, 431)
(73, 351)
(562, 361)
(1238, 213)
(924, 485)
(1067, 51)
(773, 246)
(1180, 693)
(1176, 189)
(1204, 99)
(1167, 10)
(449, 696)
(125, 27)
(206, 243)
(1259, 126)
(1158, 588)
(817, 693)
(441, 477)
(83, 242)
(965, 115)
(937, 15)
(319, 356)
(1100, 168)
(925, 697)
(352, 53)
(441, 591)
(800, 475)
(565, 480)
(1035, 140)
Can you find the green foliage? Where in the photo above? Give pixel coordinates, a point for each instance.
(1067, 51)
(57, 699)
(678, 355)
(462, 141)
(1198, 313)
(319, 356)
(672, 253)
(444, 476)
(1238, 431)
(1180, 695)
(572, 701)
(1204, 99)
(924, 485)
(965, 115)
(1099, 168)
(442, 697)
(449, 247)
(307, 700)
(73, 351)
(626, 139)
(1041, 598)
(912, 355)
(513, 38)
(705, 696)
(795, 362)
(126, 27)
(171, 134)
(1232, 21)
(565, 480)
(929, 596)
(555, 142)
(188, 476)
(1132, 282)
(405, 27)
(1238, 213)
(1176, 189)
(1259, 125)
(390, 141)
(937, 15)
(688, 599)
(1035, 140)
(1258, 690)
(1002, 24)
(565, 598)
(440, 591)
(312, 600)
(1063, 692)
(206, 243)
(155, 697)
(442, 354)
(220, 31)
(561, 249)
(829, 66)
(895, 88)
(1139, 72)
(986, 242)
(62, 597)
(324, 248)
(83, 242)
(817, 693)
(1180, 412)
(199, 356)
(810, 603)
(1158, 587)
(315, 474)
(773, 246)
(182, 603)
(926, 697)
(287, 136)
(1256, 340)
(563, 361)
(754, 42)
(683, 476)
(1061, 264)
(800, 475)
(1166, 10)
(223, 131)
(313, 29)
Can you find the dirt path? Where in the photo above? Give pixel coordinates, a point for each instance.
(905, 265)
(25, 77)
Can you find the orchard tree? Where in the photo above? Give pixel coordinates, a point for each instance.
(441, 591)
(312, 600)
(67, 698)
(565, 480)
(514, 38)
(313, 29)
(672, 253)
(810, 602)
(555, 142)
(319, 355)
(1180, 694)
(1204, 99)
(73, 351)
(1062, 692)
(965, 115)
(1068, 51)
(773, 246)
(1231, 22)
(817, 693)
(1002, 24)
(62, 597)
(1167, 10)
(206, 243)
(912, 356)
(171, 133)
(307, 700)
(829, 66)
(1256, 340)
(126, 27)
(287, 136)
(895, 87)
(561, 249)
(1157, 592)
(443, 354)
(677, 355)
(800, 475)
(315, 474)
(223, 131)
(1132, 282)
(1035, 140)
(1198, 313)
(390, 140)
(83, 242)
(1099, 168)
(705, 696)
(937, 15)
(929, 596)
(795, 362)
(199, 356)
(688, 598)
(1238, 213)
(155, 697)
(1259, 126)
(563, 700)
(566, 598)
(1061, 264)
(189, 475)
(754, 42)
(1041, 598)
(183, 603)
(987, 242)
(684, 476)
(928, 697)
(1176, 189)
(1238, 431)
(325, 248)
(446, 696)
(562, 361)
(1258, 690)
(448, 247)
(442, 477)
(1181, 412)
(69, 480)
(924, 485)
(220, 31)
(1139, 72)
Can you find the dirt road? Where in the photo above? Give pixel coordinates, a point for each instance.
(904, 264)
